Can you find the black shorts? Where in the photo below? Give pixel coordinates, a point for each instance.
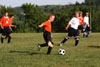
(6, 31)
(80, 27)
(87, 29)
(1, 30)
(47, 36)
(73, 32)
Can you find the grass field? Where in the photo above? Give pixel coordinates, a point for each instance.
(23, 52)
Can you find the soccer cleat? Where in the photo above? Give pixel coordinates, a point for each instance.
(61, 44)
(39, 47)
(10, 43)
(77, 45)
(86, 35)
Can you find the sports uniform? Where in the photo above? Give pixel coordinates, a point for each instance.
(87, 27)
(81, 21)
(47, 35)
(72, 31)
(86, 20)
(5, 24)
(6, 30)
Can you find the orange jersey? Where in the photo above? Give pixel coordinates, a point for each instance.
(47, 26)
(81, 20)
(5, 21)
(10, 21)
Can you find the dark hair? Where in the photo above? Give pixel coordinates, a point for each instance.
(6, 12)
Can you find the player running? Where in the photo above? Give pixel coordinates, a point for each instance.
(5, 25)
(73, 30)
(86, 26)
(81, 20)
(47, 34)
(11, 26)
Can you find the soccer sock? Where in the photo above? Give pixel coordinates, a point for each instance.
(9, 39)
(49, 50)
(44, 45)
(64, 40)
(83, 34)
(2, 40)
(88, 34)
(76, 42)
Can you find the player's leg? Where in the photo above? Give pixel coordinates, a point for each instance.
(89, 31)
(3, 34)
(9, 38)
(76, 41)
(65, 39)
(76, 35)
(70, 34)
(44, 44)
(9, 35)
(2, 38)
(79, 29)
(50, 44)
(84, 32)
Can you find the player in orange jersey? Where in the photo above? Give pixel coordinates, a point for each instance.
(11, 26)
(81, 21)
(47, 34)
(5, 25)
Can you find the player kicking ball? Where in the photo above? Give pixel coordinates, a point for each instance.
(86, 26)
(73, 30)
(47, 34)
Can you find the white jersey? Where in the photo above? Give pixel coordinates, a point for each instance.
(86, 20)
(74, 22)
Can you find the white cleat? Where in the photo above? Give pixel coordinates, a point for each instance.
(39, 47)
(61, 44)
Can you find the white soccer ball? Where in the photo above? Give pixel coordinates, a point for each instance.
(61, 51)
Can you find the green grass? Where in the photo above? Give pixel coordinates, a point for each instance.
(23, 52)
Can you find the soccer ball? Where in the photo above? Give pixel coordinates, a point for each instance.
(61, 51)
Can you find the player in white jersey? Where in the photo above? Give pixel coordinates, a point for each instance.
(86, 26)
(72, 30)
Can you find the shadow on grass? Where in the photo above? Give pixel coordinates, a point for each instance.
(19, 52)
(29, 53)
(94, 46)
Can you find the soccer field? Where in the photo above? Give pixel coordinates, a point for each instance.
(23, 52)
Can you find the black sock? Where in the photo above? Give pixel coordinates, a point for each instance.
(49, 50)
(76, 42)
(9, 39)
(44, 45)
(64, 40)
(2, 40)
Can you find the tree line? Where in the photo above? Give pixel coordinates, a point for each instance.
(29, 16)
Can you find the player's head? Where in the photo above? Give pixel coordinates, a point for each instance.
(87, 14)
(51, 17)
(81, 14)
(6, 13)
(76, 14)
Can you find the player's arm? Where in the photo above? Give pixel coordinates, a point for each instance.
(10, 28)
(87, 24)
(67, 27)
(40, 25)
(1, 21)
(13, 26)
